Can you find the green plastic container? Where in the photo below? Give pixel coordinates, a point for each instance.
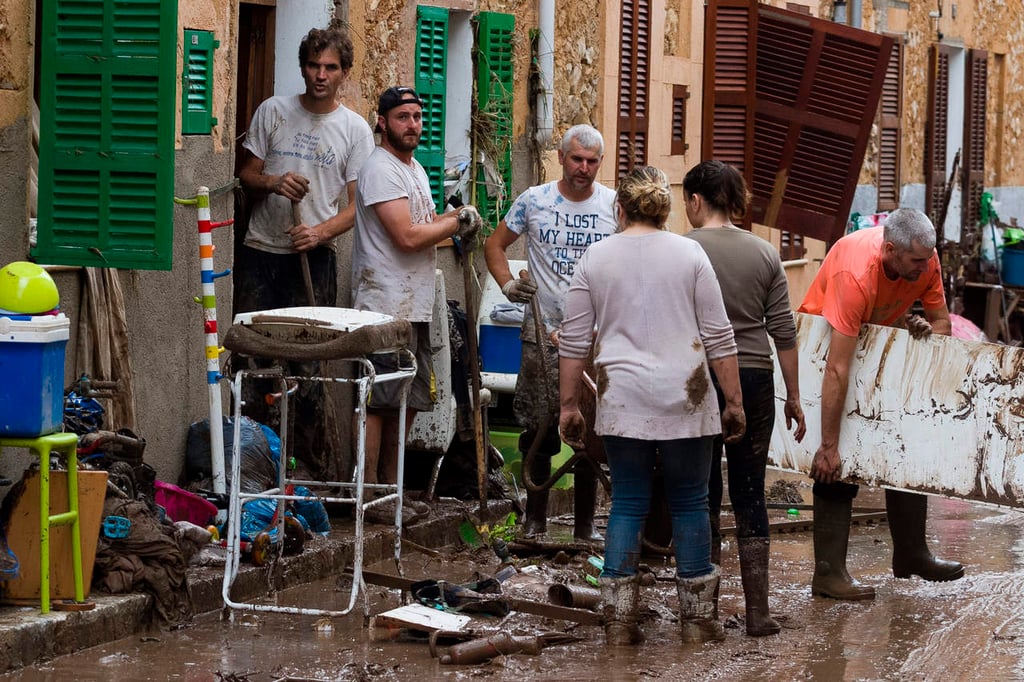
(507, 443)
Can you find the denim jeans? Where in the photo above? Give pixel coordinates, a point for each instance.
(748, 458)
(684, 464)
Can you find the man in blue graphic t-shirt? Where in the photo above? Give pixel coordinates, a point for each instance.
(559, 220)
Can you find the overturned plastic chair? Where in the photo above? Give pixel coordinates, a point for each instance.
(304, 334)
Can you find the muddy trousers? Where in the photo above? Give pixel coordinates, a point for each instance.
(265, 281)
(584, 488)
(747, 461)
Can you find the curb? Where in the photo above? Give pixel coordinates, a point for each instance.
(28, 637)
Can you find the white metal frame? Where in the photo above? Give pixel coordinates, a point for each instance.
(405, 373)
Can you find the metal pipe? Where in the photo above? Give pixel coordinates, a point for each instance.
(546, 71)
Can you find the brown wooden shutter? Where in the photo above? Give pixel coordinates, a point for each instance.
(679, 96)
(727, 128)
(973, 158)
(818, 86)
(634, 80)
(800, 133)
(890, 132)
(936, 130)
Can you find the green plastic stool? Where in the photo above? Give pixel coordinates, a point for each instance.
(42, 446)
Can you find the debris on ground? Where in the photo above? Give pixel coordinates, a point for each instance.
(784, 492)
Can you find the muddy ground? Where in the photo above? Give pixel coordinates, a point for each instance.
(971, 629)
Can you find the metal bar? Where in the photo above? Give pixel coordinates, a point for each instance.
(280, 493)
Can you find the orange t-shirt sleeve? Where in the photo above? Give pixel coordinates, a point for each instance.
(845, 304)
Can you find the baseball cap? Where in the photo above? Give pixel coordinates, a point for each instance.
(396, 96)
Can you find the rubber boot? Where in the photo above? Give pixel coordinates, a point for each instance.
(754, 572)
(831, 540)
(536, 522)
(620, 605)
(584, 501)
(715, 521)
(696, 608)
(907, 513)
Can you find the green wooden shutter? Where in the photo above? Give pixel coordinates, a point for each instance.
(431, 75)
(106, 154)
(197, 83)
(494, 113)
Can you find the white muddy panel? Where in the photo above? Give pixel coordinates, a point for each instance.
(940, 415)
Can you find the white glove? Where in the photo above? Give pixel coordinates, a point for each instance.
(470, 223)
(520, 290)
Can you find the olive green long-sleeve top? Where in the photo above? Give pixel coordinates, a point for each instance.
(755, 291)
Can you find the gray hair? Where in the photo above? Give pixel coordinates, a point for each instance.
(905, 226)
(587, 136)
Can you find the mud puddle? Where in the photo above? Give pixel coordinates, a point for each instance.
(969, 629)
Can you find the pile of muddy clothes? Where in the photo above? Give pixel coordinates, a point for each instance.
(152, 558)
(152, 553)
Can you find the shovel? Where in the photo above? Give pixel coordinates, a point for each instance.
(307, 278)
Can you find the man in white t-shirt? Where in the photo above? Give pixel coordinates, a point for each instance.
(560, 220)
(305, 150)
(393, 263)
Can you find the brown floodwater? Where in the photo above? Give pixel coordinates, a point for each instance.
(971, 629)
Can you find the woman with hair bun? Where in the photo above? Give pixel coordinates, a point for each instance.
(649, 303)
(756, 297)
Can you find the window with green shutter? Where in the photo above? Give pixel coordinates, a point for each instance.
(493, 125)
(431, 81)
(106, 155)
(197, 83)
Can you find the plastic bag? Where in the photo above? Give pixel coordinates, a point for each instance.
(258, 467)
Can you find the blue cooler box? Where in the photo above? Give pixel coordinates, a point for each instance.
(32, 374)
(500, 349)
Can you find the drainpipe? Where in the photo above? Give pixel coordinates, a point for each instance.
(546, 67)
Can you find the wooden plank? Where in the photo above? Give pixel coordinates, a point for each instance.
(940, 416)
(420, 617)
(581, 616)
(23, 535)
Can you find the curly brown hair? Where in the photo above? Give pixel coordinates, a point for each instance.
(320, 39)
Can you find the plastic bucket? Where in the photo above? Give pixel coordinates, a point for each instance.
(1013, 267)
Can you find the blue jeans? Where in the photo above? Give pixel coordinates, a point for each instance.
(685, 464)
(748, 458)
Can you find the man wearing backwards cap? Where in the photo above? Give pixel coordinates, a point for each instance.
(393, 261)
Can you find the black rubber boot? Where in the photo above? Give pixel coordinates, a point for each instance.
(831, 540)
(584, 494)
(536, 521)
(754, 553)
(907, 513)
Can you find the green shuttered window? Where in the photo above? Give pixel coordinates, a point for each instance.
(431, 81)
(494, 105)
(107, 133)
(197, 83)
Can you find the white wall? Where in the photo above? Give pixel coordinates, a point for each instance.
(294, 19)
(459, 92)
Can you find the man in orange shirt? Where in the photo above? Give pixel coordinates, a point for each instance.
(871, 276)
